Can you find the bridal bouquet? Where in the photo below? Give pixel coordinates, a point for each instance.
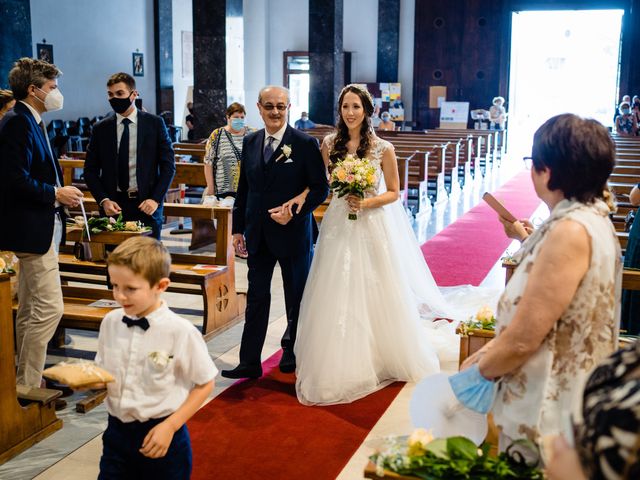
(353, 176)
(454, 458)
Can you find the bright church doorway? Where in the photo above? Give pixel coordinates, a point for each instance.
(561, 61)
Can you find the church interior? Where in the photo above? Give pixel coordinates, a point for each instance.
(462, 92)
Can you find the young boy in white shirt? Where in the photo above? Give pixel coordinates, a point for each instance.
(163, 371)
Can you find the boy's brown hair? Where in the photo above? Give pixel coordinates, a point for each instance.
(125, 78)
(144, 256)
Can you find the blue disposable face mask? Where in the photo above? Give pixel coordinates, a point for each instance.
(237, 123)
(625, 111)
(473, 390)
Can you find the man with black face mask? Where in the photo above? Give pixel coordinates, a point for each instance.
(130, 162)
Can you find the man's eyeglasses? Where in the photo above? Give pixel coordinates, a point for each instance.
(268, 106)
(528, 161)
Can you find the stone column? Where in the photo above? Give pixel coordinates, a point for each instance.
(209, 65)
(388, 40)
(326, 59)
(15, 35)
(163, 33)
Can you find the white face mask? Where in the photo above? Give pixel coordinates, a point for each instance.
(53, 100)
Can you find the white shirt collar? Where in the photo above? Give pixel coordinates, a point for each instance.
(278, 135)
(158, 313)
(33, 111)
(133, 117)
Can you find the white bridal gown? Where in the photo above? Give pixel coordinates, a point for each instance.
(365, 317)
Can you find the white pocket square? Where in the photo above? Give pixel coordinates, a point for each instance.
(288, 161)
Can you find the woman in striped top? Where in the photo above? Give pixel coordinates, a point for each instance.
(223, 153)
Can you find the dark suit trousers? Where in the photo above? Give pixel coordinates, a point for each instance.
(294, 275)
(131, 212)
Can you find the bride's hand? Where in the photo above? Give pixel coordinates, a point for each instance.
(294, 205)
(355, 203)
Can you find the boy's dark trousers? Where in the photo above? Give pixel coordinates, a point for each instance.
(122, 460)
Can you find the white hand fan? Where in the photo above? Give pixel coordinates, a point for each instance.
(435, 407)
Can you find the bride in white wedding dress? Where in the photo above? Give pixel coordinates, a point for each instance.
(361, 323)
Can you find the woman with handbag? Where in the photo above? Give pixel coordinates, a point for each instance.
(223, 153)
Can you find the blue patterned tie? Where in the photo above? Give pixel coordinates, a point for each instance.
(123, 157)
(268, 149)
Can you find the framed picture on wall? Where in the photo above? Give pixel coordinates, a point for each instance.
(45, 52)
(138, 64)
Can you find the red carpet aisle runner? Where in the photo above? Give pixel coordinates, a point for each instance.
(478, 236)
(257, 429)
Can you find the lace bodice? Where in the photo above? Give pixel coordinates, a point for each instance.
(376, 151)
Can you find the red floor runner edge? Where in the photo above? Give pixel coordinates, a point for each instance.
(478, 236)
(256, 429)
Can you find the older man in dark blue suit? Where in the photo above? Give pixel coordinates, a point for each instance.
(278, 163)
(130, 162)
(32, 211)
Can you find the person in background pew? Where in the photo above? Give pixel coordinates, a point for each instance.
(7, 102)
(630, 316)
(32, 201)
(626, 124)
(558, 316)
(386, 124)
(130, 161)
(304, 122)
(191, 121)
(223, 153)
(635, 111)
(497, 114)
(162, 368)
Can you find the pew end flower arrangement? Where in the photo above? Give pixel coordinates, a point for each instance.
(110, 224)
(424, 457)
(484, 319)
(353, 176)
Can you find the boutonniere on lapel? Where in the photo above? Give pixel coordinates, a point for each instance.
(286, 153)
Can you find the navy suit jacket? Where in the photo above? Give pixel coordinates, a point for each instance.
(155, 165)
(264, 186)
(28, 177)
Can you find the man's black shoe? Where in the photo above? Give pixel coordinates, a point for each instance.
(288, 362)
(243, 371)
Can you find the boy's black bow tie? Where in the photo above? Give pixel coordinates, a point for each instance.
(143, 323)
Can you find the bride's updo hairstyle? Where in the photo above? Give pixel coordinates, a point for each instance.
(339, 150)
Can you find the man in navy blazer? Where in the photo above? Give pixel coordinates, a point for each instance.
(32, 200)
(278, 163)
(130, 177)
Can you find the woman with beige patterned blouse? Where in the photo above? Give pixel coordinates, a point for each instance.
(558, 316)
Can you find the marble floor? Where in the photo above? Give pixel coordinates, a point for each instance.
(73, 453)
